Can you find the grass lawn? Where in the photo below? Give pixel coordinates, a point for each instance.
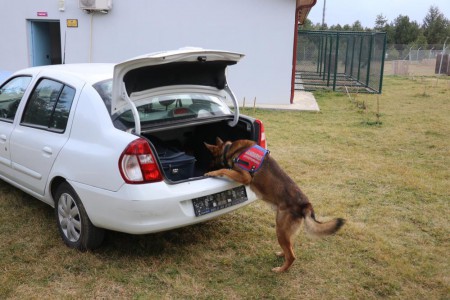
(388, 176)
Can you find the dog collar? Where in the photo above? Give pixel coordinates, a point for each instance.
(224, 156)
(251, 158)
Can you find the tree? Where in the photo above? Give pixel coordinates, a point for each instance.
(307, 25)
(381, 23)
(390, 34)
(336, 27)
(357, 26)
(346, 27)
(406, 32)
(421, 41)
(393, 53)
(435, 26)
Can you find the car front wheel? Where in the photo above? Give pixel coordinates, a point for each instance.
(74, 225)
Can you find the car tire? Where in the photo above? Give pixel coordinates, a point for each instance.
(74, 226)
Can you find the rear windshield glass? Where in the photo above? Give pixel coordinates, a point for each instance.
(167, 107)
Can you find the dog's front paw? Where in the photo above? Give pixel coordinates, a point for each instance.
(210, 174)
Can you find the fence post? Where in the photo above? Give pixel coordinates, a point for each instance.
(346, 57)
(319, 63)
(382, 64)
(369, 58)
(353, 56)
(329, 60)
(336, 54)
(359, 58)
(325, 57)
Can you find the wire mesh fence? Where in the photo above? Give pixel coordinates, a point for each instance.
(338, 60)
(417, 61)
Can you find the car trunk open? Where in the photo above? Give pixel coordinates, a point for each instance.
(145, 87)
(181, 151)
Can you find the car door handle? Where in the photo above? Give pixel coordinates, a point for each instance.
(47, 150)
(3, 137)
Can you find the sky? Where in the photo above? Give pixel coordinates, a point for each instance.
(348, 11)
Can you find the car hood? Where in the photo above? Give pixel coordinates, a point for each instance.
(187, 66)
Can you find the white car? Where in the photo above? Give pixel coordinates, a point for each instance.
(121, 147)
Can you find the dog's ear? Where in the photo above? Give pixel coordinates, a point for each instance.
(210, 147)
(219, 142)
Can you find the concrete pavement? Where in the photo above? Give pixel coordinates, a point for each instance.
(303, 101)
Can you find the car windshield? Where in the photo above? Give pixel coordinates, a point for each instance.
(167, 107)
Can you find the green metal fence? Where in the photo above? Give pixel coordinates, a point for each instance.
(339, 59)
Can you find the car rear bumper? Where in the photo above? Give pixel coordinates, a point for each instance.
(147, 208)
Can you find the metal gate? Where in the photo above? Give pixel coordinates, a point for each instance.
(337, 60)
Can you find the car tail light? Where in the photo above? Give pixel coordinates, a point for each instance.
(262, 135)
(137, 163)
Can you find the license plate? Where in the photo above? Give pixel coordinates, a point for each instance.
(211, 203)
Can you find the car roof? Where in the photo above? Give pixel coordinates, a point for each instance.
(89, 72)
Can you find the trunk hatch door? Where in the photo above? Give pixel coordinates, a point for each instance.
(187, 66)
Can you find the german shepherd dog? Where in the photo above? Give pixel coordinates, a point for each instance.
(271, 184)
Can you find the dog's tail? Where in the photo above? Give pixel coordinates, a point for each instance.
(317, 228)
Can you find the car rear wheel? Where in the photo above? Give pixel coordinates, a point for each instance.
(74, 225)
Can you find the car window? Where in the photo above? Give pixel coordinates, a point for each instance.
(165, 108)
(174, 107)
(49, 106)
(62, 109)
(104, 89)
(10, 95)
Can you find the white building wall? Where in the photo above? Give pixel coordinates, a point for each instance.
(261, 29)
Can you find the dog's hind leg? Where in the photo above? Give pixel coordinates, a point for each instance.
(287, 227)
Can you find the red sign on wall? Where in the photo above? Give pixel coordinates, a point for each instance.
(42, 14)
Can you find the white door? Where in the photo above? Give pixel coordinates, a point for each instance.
(37, 140)
(11, 93)
(45, 42)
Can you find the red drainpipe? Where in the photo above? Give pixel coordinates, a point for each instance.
(294, 56)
